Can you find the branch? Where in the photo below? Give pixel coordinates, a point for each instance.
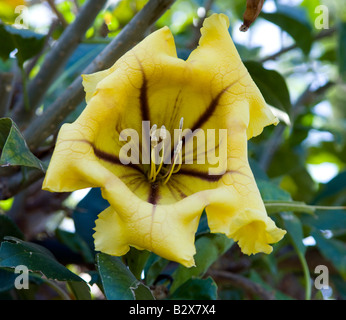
(13, 185)
(58, 13)
(57, 58)
(321, 35)
(243, 283)
(43, 126)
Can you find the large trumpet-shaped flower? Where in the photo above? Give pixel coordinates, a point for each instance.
(157, 190)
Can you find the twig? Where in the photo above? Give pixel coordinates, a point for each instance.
(321, 35)
(243, 283)
(34, 60)
(13, 185)
(58, 13)
(6, 91)
(43, 126)
(57, 58)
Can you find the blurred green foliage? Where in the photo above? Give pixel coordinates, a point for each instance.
(303, 79)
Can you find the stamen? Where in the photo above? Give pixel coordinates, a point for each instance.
(153, 144)
(177, 152)
(177, 155)
(163, 137)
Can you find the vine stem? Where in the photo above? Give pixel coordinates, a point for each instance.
(306, 273)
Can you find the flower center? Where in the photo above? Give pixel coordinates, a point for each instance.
(158, 170)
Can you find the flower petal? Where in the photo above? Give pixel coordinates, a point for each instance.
(217, 56)
(159, 229)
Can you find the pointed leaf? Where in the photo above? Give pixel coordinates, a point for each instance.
(271, 84)
(333, 250)
(118, 281)
(14, 150)
(36, 258)
(27, 43)
(196, 289)
(209, 248)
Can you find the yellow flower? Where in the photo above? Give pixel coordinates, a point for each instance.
(156, 204)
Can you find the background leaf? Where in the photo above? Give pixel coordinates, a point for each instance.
(38, 259)
(196, 289)
(27, 43)
(271, 84)
(209, 247)
(295, 22)
(118, 281)
(14, 150)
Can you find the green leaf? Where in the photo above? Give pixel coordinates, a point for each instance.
(85, 214)
(209, 248)
(333, 250)
(27, 43)
(7, 279)
(153, 267)
(326, 220)
(135, 260)
(295, 22)
(272, 192)
(341, 51)
(196, 289)
(9, 228)
(256, 278)
(331, 188)
(14, 252)
(80, 290)
(75, 243)
(118, 281)
(271, 84)
(295, 230)
(15, 151)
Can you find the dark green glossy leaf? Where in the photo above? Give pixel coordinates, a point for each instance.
(85, 214)
(294, 228)
(27, 43)
(331, 188)
(209, 248)
(333, 250)
(80, 290)
(36, 258)
(271, 84)
(135, 260)
(9, 228)
(14, 150)
(196, 289)
(154, 266)
(7, 279)
(326, 220)
(118, 281)
(75, 243)
(270, 191)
